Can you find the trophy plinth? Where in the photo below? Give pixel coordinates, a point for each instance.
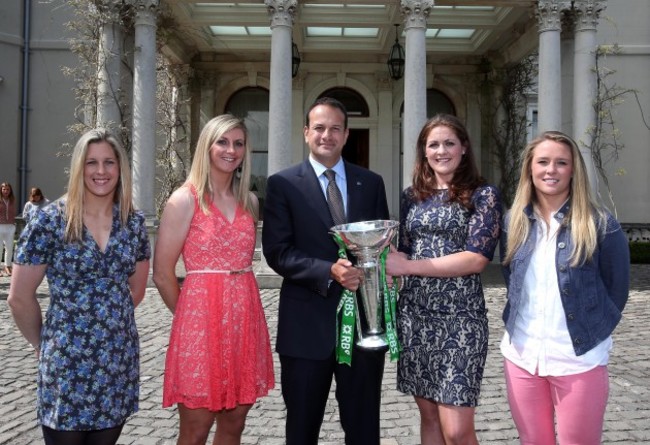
(366, 240)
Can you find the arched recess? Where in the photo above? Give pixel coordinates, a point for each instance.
(450, 103)
(224, 93)
(439, 102)
(458, 102)
(356, 149)
(349, 83)
(363, 129)
(252, 105)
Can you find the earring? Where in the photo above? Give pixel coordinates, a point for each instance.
(238, 172)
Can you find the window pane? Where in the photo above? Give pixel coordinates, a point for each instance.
(438, 102)
(252, 105)
(353, 101)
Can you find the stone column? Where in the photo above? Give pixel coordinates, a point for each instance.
(144, 107)
(298, 118)
(415, 83)
(109, 82)
(550, 76)
(585, 88)
(385, 160)
(281, 13)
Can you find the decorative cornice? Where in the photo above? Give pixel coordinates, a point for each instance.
(415, 12)
(549, 14)
(281, 12)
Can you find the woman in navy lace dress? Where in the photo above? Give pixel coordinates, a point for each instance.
(449, 228)
(93, 248)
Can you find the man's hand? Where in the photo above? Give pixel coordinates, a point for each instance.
(346, 274)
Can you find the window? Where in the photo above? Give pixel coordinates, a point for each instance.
(438, 102)
(252, 105)
(531, 117)
(353, 101)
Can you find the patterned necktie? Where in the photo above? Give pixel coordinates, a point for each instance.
(334, 199)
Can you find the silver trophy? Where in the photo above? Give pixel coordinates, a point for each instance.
(366, 240)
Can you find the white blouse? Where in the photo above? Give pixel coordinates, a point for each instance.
(540, 342)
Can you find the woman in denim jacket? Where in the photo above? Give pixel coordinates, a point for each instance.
(566, 267)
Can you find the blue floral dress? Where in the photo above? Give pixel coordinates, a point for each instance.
(442, 322)
(88, 372)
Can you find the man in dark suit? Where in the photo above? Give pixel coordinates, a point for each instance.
(298, 246)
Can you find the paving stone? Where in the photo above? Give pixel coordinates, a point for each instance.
(626, 419)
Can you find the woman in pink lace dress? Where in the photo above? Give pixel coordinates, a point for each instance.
(219, 358)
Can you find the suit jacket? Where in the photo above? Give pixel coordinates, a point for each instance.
(298, 246)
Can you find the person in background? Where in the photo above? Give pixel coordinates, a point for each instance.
(567, 271)
(219, 359)
(449, 228)
(298, 246)
(7, 224)
(36, 202)
(93, 247)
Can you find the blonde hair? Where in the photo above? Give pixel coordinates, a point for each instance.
(74, 207)
(199, 175)
(583, 212)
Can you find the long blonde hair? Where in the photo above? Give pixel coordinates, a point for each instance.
(583, 212)
(199, 175)
(74, 207)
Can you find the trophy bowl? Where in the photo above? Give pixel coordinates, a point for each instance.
(366, 240)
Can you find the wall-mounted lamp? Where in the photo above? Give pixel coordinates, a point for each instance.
(396, 59)
(295, 59)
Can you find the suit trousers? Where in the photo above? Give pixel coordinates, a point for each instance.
(305, 389)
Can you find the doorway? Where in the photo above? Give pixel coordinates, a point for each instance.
(356, 148)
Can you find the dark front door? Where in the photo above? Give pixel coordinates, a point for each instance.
(356, 149)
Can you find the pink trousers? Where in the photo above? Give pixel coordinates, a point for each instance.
(577, 401)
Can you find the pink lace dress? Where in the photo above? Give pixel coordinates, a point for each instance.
(219, 353)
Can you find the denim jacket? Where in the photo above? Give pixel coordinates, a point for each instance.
(593, 294)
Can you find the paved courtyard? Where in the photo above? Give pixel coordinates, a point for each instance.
(627, 419)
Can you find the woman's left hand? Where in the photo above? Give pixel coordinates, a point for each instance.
(396, 263)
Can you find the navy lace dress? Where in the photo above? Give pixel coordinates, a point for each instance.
(442, 322)
(88, 373)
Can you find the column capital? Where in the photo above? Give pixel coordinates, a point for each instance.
(145, 11)
(148, 5)
(587, 13)
(281, 12)
(416, 12)
(110, 11)
(549, 14)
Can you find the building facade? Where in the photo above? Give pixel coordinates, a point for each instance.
(239, 57)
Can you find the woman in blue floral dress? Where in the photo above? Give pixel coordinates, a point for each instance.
(93, 247)
(449, 228)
